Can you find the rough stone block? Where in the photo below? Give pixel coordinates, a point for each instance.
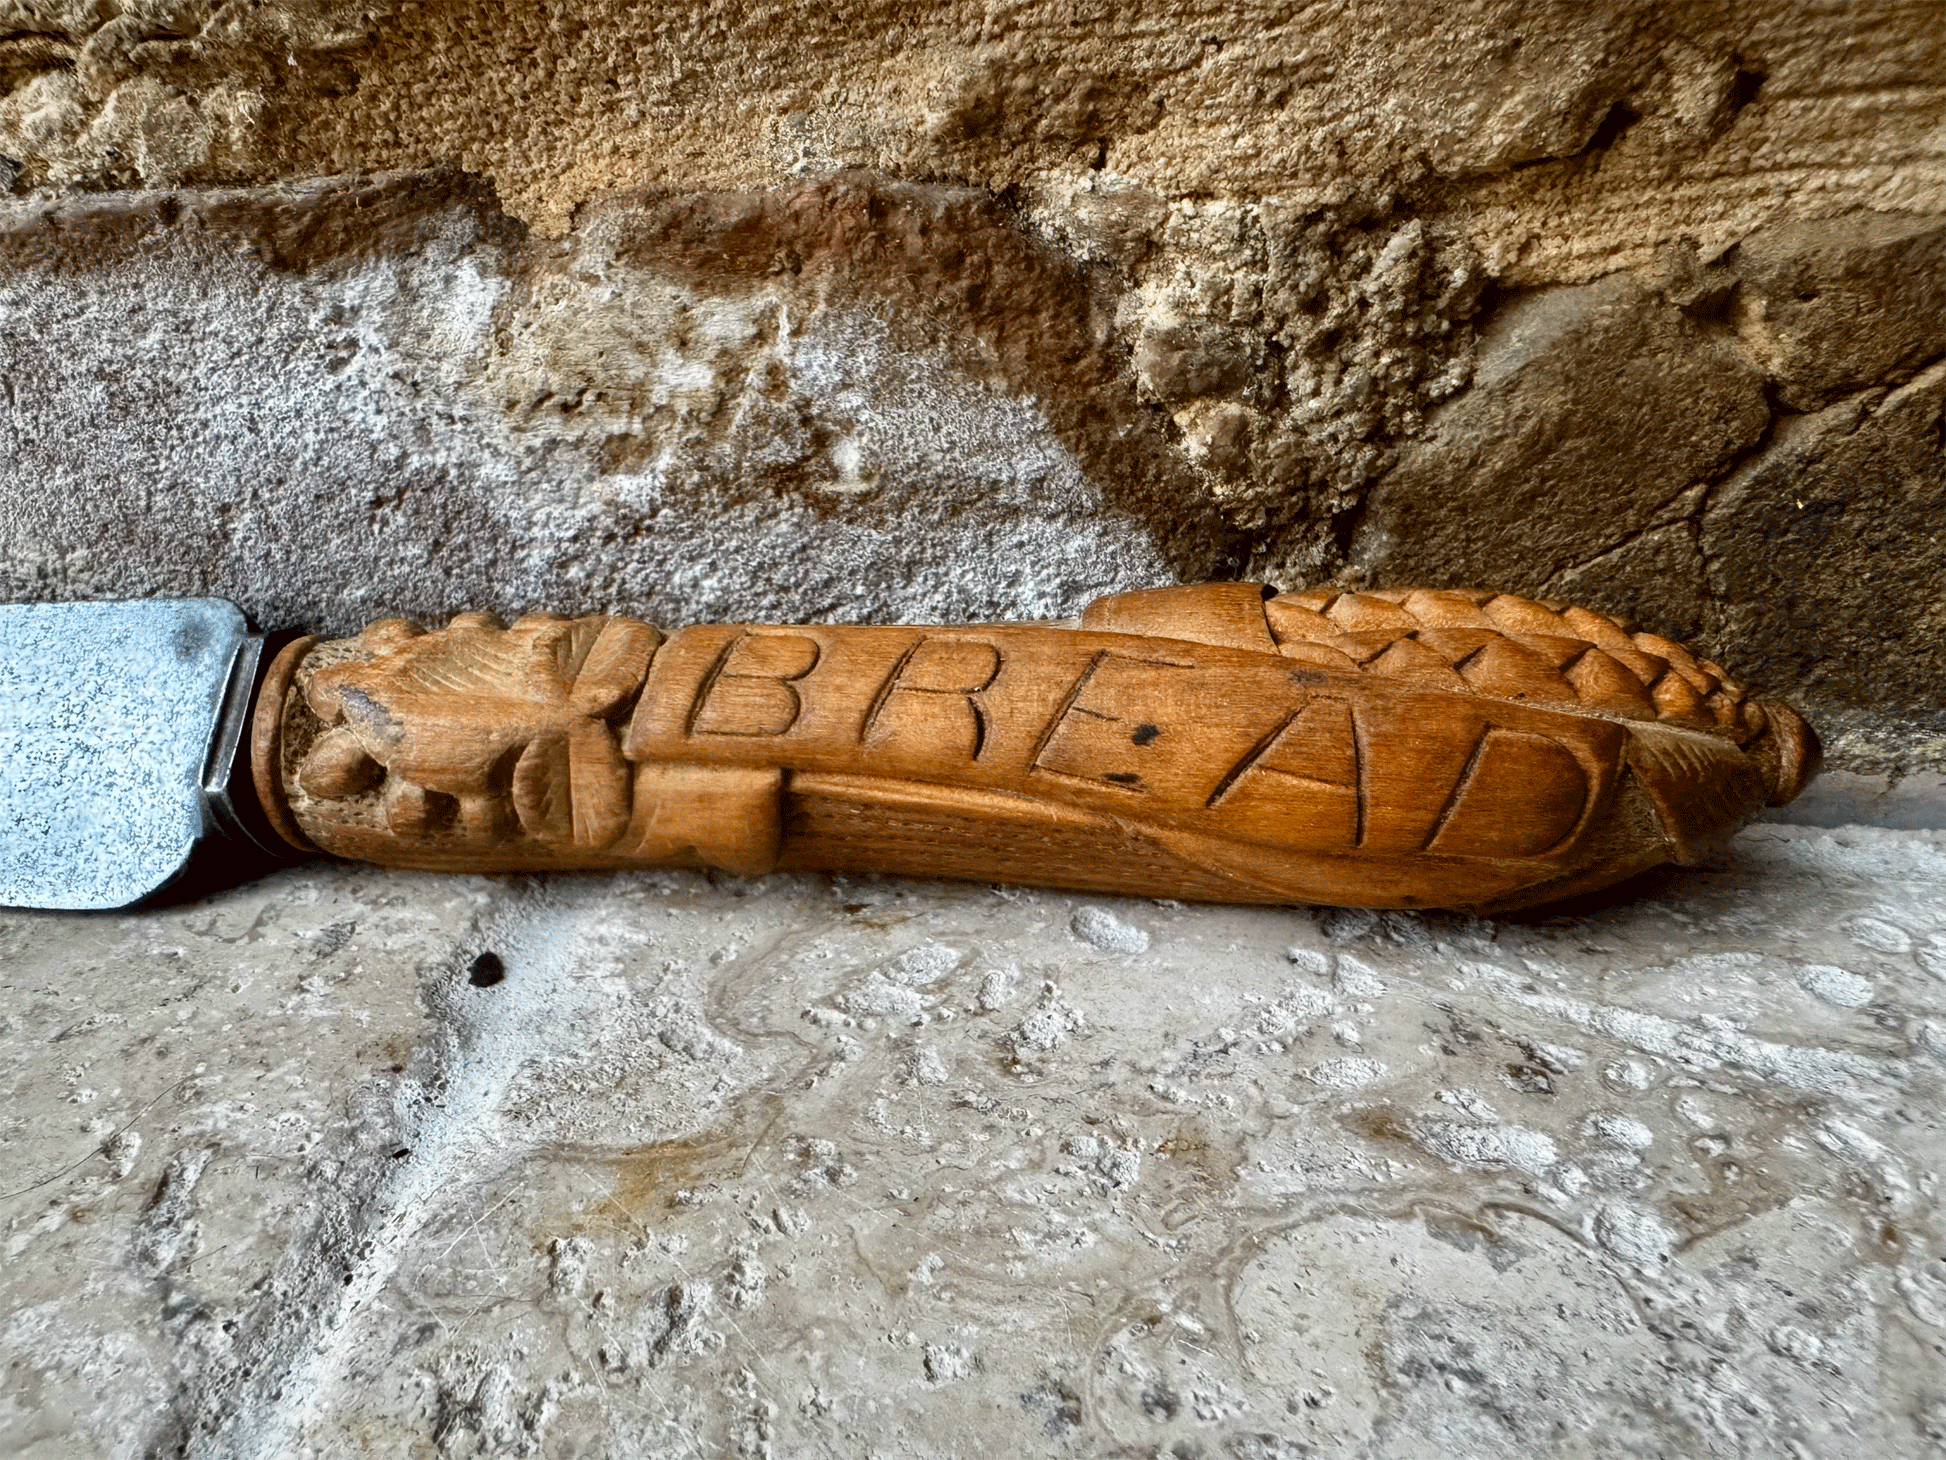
(1549, 461)
(1825, 557)
(1842, 305)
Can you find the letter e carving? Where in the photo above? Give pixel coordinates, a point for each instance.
(1100, 735)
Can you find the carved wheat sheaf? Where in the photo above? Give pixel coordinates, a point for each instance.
(1394, 748)
(1511, 648)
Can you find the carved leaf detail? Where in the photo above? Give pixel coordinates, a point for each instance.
(466, 660)
(1599, 680)
(570, 788)
(599, 778)
(543, 789)
(1320, 655)
(1455, 642)
(441, 717)
(1510, 670)
(1675, 697)
(1444, 608)
(1363, 613)
(1292, 622)
(616, 663)
(1523, 616)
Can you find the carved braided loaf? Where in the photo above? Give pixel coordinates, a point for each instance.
(1512, 648)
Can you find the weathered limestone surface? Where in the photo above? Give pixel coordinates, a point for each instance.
(702, 1166)
(334, 407)
(857, 399)
(1713, 118)
(1676, 404)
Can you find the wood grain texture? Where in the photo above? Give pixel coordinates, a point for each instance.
(1399, 748)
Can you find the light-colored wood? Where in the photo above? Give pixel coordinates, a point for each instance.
(1403, 748)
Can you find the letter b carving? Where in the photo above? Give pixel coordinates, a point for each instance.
(752, 687)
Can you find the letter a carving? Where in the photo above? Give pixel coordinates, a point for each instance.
(1300, 784)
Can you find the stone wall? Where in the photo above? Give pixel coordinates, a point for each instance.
(715, 309)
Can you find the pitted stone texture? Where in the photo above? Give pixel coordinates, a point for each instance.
(263, 399)
(1843, 305)
(851, 1165)
(1577, 137)
(199, 1103)
(1292, 348)
(1848, 597)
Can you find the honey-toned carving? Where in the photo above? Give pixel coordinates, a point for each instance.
(475, 736)
(1402, 748)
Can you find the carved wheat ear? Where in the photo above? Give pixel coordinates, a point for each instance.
(1397, 748)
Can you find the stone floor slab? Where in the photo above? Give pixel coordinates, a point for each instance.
(821, 1166)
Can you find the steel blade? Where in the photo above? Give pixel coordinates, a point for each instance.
(108, 715)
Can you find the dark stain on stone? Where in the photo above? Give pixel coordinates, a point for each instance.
(1535, 1071)
(1376, 1123)
(486, 970)
(1529, 1078)
(331, 939)
(1469, 1234)
(1159, 1401)
(1457, 1034)
(1058, 1405)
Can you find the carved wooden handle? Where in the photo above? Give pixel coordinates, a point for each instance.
(1404, 748)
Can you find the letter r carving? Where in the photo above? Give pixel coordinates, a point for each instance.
(932, 696)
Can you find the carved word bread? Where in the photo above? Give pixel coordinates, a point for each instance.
(1403, 748)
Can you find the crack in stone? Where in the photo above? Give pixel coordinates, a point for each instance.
(251, 1401)
(1662, 519)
